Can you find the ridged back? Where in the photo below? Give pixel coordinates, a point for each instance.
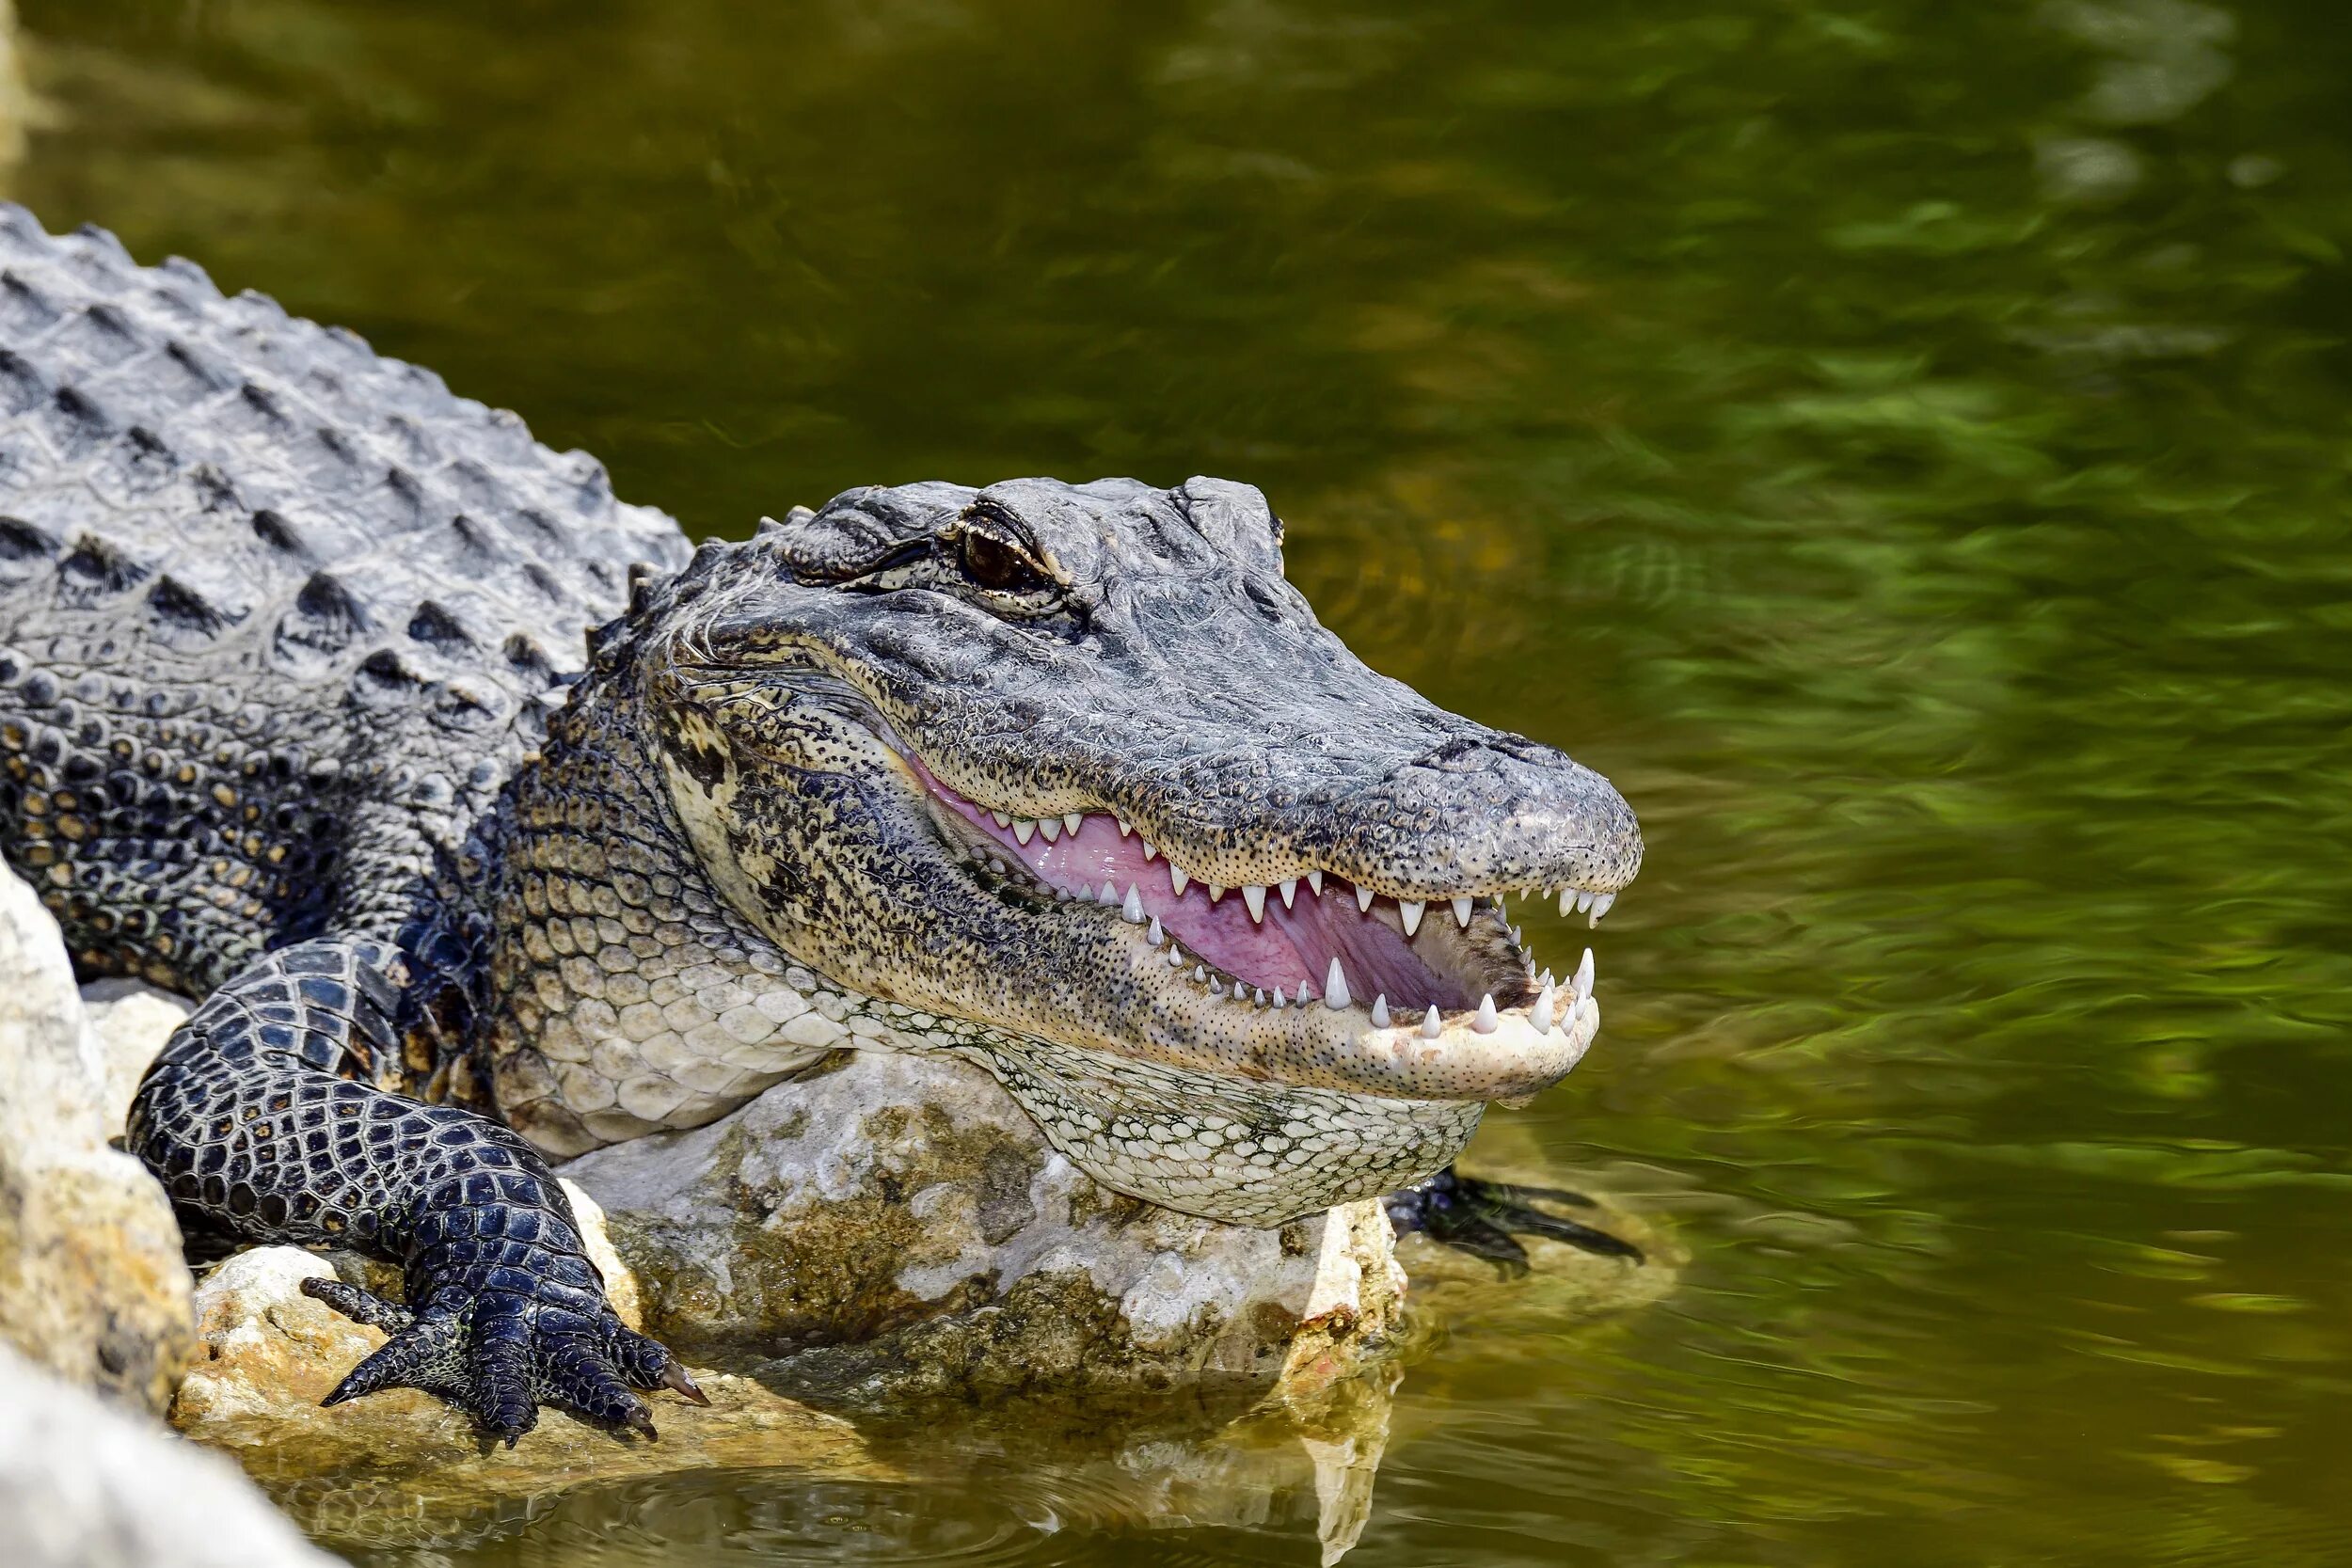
(207, 479)
(278, 617)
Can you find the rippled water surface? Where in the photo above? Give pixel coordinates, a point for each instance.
(1904, 444)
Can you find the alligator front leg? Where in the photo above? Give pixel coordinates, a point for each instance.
(251, 1120)
(1486, 1218)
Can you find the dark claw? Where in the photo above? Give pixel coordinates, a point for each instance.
(675, 1379)
(1481, 1218)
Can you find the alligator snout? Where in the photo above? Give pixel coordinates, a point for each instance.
(1479, 813)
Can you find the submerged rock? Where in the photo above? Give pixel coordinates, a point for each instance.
(896, 1222)
(92, 1285)
(84, 1486)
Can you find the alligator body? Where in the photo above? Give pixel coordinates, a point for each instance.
(494, 822)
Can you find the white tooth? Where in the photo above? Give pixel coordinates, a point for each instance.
(1541, 1016)
(1278, 998)
(1215, 988)
(1133, 908)
(1109, 895)
(1153, 937)
(1072, 820)
(1411, 909)
(1306, 991)
(1335, 986)
(1545, 980)
(1151, 850)
(1601, 902)
(1259, 997)
(1314, 881)
(1255, 898)
(1002, 820)
(1430, 1025)
(1485, 1021)
(1581, 987)
(1215, 893)
(1365, 896)
(1288, 887)
(1568, 900)
(1024, 829)
(1518, 937)
(1380, 1011)
(1049, 826)
(1200, 972)
(1175, 956)
(1462, 912)
(1583, 900)
(1177, 879)
(1125, 827)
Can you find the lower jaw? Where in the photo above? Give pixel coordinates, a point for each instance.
(1222, 1148)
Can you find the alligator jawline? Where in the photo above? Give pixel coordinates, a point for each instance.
(1281, 948)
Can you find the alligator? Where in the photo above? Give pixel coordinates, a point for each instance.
(493, 822)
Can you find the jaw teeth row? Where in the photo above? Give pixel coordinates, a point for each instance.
(1573, 900)
(1546, 1009)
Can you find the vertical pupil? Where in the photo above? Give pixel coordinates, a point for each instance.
(990, 562)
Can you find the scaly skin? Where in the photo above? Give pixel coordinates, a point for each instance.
(462, 791)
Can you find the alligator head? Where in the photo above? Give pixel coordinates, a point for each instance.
(1076, 769)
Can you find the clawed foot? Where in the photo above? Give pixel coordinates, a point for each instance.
(1485, 1218)
(504, 1354)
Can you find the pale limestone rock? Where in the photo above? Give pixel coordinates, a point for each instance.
(1355, 1310)
(81, 1486)
(401, 1466)
(897, 1219)
(620, 1282)
(92, 1285)
(132, 1020)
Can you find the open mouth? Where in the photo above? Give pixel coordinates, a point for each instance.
(1408, 981)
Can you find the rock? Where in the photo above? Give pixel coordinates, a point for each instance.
(898, 1222)
(1355, 1310)
(81, 1486)
(401, 1468)
(92, 1284)
(620, 1281)
(131, 1021)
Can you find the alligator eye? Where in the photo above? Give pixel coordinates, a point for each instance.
(999, 566)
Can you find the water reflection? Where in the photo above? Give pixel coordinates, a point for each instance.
(1031, 1483)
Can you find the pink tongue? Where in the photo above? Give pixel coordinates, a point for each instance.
(1293, 944)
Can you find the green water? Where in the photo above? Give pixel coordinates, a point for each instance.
(1905, 445)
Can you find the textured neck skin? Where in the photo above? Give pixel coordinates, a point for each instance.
(623, 995)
